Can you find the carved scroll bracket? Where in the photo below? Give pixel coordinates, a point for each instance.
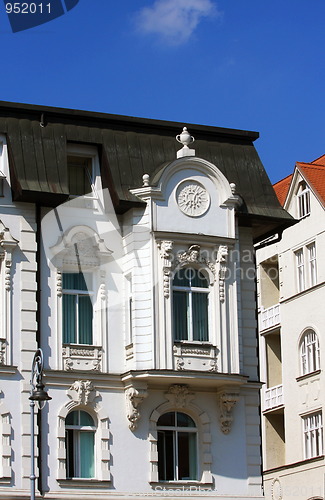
(227, 400)
(134, 397)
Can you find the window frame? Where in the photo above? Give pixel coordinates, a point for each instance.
(79, 293)
(300, 269)
(312, 430)
(312, 261)
(176, 430)
(90, 153)
(190, 291)
(303, 200)
(309, 352)
(76, 450)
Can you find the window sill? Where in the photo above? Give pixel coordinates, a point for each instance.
(179, 485)
(79, 482)
(308, 375)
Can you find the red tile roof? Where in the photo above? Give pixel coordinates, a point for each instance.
(281, 188)
(313, 172)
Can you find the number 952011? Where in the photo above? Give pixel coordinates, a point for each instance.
(28, 8)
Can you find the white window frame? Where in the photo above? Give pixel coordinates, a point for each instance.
(303, 200)
(189, 291)
(311, 248)
(309, 352)
(78, 429)
(300, 265)
(175, 429)
(313, 435)
(82, 293)
(102, 442)
(128, 310)
(204, 457)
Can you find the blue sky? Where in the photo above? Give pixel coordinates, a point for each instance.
(254, 64)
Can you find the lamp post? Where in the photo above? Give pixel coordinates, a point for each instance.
(37, 394)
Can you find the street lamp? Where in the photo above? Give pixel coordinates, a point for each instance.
(38, 394)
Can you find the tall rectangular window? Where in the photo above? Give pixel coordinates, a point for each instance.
(313, 435)
(77, 309)
(300, 269)
(312, 263)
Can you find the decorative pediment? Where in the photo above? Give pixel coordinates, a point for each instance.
(80, 246)
(216, 264)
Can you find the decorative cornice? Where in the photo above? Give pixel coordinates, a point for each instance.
(134, 397)
(227, 400)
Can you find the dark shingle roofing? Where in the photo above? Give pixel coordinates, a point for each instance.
(128, 148)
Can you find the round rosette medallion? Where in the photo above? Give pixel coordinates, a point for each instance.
(192, 198)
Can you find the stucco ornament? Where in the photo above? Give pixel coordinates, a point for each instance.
(193, 256)
(82, 391)
(227, 401)
(7, 246)
(192, 198)
(165, 248)
(186, 139)
(179, 395)
(222, 259)
(134, 397)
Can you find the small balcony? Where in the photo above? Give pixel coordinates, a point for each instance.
(273, 397)
(269, 317)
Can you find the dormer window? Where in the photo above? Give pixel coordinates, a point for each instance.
(80, 173)
(303, 197)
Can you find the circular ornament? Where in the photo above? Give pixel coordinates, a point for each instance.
(192, 198)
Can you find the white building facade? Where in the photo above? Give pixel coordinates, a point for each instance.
(291, 274)
(122, 259)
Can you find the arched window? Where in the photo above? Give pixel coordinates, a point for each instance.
(303, 197)
(80, 445)
(177, 447)
(309, 352)
(190, 305)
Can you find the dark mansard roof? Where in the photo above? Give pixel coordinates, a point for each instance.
(128, 148)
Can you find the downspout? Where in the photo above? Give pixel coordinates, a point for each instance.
(38, 334)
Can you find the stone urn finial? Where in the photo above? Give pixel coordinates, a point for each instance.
(185, 138)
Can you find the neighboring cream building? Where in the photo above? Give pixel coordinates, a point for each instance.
(291, 285)
(128, 258)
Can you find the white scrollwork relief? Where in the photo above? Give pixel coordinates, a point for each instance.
(179, 395)
(227, 401)
(134, 397)
(165, 248)
(86, 358)
(2, 351)
(7, 246)
(222, 259)
(82, 391)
